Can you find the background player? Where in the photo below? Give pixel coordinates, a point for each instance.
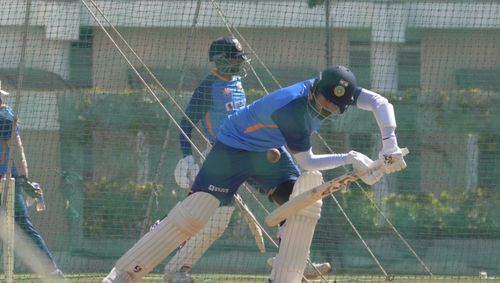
(10, 134)
(218, 95)
(285, 117)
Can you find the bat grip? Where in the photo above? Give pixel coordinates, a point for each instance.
(380, 162)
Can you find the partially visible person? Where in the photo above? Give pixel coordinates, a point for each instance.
(219, 95)
(10, 135)
(286, 117)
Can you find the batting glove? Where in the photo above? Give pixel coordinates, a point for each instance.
(185, 172)
(33, 190)
(360, 162)
(392, 156)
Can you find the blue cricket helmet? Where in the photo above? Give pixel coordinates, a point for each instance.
(228, 55)
(337, 84)
(226, 47)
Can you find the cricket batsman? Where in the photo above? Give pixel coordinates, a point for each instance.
(285, 118)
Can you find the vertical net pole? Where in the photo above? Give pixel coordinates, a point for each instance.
(328, 48)
(8, 197)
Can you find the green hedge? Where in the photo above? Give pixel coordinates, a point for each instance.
(455, 214)
(115, 209)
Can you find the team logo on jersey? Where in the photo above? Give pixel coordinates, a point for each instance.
(339, 91)
(230, 106)
(137, 268)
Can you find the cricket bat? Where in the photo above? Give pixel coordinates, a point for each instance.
(307, 198)
(252, 222)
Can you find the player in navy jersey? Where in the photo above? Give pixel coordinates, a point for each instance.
(285, 118)
(218, 95)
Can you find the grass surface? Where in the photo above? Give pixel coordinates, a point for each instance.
(231, 278)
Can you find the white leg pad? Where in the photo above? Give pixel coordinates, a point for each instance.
(196, 246)
(186, 219)
(290, 262)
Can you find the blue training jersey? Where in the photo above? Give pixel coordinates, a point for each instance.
(6, 119)
(278, 119)
(211, 103)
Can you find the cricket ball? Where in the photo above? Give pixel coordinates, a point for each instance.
(273, 155)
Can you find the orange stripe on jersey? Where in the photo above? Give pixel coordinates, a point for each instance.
(209, 124)
(260, 126)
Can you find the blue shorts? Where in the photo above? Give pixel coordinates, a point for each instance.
(226, 168)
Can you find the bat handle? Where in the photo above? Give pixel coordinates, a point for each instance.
(380, 162)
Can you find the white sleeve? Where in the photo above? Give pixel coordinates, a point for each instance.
(381, 108)
(309, 161)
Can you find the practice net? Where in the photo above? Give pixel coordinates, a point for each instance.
(101, 134)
